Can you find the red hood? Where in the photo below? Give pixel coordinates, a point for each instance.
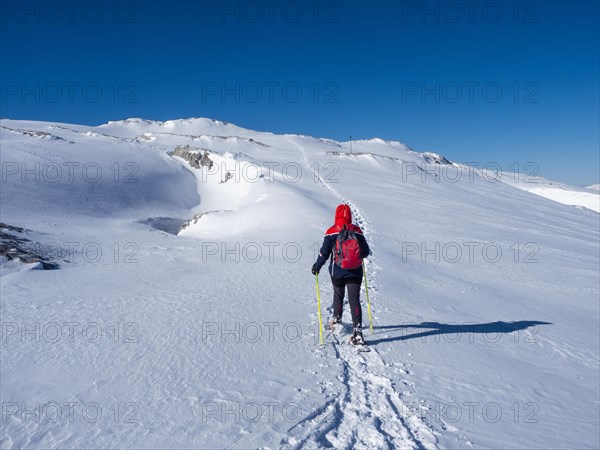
(343, 215)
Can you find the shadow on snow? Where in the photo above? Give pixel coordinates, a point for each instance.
(413, 331)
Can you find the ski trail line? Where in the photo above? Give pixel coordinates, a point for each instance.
(367, 412)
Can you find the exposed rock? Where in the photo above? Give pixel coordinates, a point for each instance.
(428, 157)
(434, 158)
(194, 156)
(228, 175)
(38, 134)
(170, 225)
(20, 248)
(193, 220)
(262, 144)
(330, 142)
(206, 161)
(355, 154)
(196, 218)
(12, 228)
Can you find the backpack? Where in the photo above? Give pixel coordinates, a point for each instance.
(347, 251)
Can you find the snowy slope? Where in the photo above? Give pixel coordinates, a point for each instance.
(559, 192)
(484, 296)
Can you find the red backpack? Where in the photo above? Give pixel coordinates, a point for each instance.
(347, 251)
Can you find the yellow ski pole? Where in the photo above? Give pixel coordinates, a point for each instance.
(319, 306)
(368, 302)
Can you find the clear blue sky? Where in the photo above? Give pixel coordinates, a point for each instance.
(506, 82)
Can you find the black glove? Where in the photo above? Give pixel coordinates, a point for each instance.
(314, 269)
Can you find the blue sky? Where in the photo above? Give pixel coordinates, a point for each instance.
(505, 82)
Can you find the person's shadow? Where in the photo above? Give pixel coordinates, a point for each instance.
(454, 331)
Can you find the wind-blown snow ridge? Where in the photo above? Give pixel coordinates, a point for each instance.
(569, 195)
(35, 134)
(191, 120)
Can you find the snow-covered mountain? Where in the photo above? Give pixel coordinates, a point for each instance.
(181, 311)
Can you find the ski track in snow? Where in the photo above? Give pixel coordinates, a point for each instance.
(368, 412)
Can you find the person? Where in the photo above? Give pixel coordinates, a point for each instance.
(344, 278)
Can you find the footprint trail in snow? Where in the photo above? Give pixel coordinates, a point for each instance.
(367, 412)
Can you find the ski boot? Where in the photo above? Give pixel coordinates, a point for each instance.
(336, 324)
(357, 337)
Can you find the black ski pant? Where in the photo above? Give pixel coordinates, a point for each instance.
(339, 289)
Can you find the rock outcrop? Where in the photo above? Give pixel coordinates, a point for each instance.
(15, 247)
(196, 157)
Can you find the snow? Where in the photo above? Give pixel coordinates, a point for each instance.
(484, 296)
(559, 192)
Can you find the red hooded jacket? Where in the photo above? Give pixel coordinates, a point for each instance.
(343, 216)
